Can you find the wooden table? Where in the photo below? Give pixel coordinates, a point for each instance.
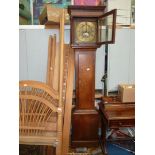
(115, 115)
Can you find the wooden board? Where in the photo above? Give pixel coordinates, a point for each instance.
(51, 15)
(68, 104)
(52, 77)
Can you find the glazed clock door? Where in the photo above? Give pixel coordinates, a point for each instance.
(106, 28)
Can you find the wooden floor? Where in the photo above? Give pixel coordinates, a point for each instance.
(36, 150)
(48, 150)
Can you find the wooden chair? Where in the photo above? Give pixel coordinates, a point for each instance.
(42, 119)
(39, 114)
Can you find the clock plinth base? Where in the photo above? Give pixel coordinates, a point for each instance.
(85, 125)
(88, 144)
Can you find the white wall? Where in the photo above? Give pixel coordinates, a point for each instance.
(100, 60)
(121, 59)
(33, 51)
(123, 10)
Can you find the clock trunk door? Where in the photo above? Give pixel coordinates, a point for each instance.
(106, 28)
(85, 78)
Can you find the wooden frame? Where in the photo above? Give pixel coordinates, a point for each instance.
(51, 60)
(90, 13)
(39, 108)
(45, 109)
(50, 16)
(87, 3)
(85, 115)
(68, 104)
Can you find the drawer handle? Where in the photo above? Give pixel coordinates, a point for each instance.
(120, 123)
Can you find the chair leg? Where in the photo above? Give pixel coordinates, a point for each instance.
(59, 145)
(59, 149)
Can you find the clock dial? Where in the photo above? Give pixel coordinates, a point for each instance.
(85, 32)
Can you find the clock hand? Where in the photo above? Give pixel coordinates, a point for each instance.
(86, 27)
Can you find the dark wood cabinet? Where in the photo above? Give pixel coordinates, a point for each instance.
(85, 128)
(115, 115)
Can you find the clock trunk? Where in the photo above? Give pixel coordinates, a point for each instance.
(85, 119)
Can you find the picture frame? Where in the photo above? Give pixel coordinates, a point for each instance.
(87, 2)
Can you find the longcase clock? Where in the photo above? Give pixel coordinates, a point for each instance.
(90, 28)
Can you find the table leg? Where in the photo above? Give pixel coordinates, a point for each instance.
(103, 137)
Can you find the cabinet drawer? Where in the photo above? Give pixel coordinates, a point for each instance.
(121, 123)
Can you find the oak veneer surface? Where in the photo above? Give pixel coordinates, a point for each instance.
(85, 122)
(113, 108)
(68, 105)
(114, 99)
(85, 132)
(120, 114)
(85, 79)
(85, 118)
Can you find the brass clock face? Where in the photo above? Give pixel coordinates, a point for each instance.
(85, 32)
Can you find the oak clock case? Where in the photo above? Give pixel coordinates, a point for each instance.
(87, 30)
